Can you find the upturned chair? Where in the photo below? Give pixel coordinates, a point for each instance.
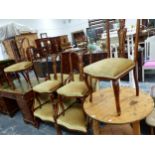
(23, 64)
(115, 68)
(46, 107)
(73, 117)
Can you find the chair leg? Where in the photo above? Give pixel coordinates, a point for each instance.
(17, 76)
(60, 102)
(136, 81)
(36, 96)
(35, 74)
(152, 130)
(55, 116)
(27, 78)
(89, 87)
(115, 84)
(143, 76)
(9, 81)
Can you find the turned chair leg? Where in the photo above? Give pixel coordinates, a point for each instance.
(136, 80)
(115, 84)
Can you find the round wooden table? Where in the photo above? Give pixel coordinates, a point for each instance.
(134, 108)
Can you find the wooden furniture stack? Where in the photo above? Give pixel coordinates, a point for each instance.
(57, 44)
(13, 50)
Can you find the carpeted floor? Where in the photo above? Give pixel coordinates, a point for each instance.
(16, 125)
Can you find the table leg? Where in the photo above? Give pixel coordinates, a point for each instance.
(95, 127)
(151, 130)
(136, 128)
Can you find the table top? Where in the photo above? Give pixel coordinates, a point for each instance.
(134, 108)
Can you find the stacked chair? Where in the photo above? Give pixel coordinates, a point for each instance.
(74, 117)
(46, 106)
(23, 64)
(59, 99)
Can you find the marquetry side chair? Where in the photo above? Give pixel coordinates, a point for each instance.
(115, 68)
(23, 65)
(73, 118)
(46, 107)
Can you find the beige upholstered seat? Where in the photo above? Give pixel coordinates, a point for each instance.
(109, 68)
(46, 112)
(74, 119)
(74, 88)
(47, 86)
(18, 66)
(50, 85)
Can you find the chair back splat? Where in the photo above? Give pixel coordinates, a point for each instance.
(122, 37)
(108, 38)
(76, 64)
(137, 41)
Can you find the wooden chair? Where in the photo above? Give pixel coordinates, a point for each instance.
(23, 64)
(73, 117)
(115, 68)
(46, 107)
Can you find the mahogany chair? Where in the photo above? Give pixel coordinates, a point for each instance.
(115, 68)
(23, 63)
(46, 107)
(73, 117)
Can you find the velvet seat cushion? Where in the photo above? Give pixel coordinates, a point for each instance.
(74, 88)
(46, 112)
(18, 66)
(47, 86)
(150, 119)
(111, 68)
(74, 119)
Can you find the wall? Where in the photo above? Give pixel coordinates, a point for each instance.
(55, 27)
(52, 27)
